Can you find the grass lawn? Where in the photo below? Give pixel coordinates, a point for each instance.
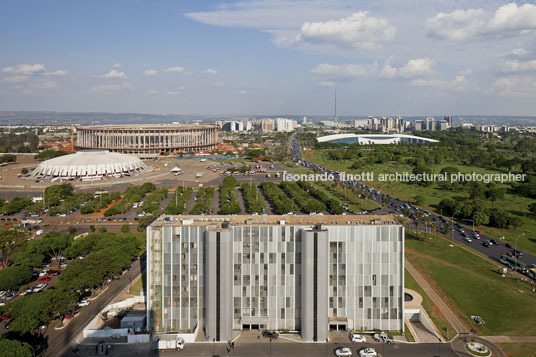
(471, 285)
(138, 286)
(513, 203)
(518, 349)
(346, 195)
(437, 317)
(408, 335)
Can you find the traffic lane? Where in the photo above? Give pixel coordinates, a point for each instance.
(280, 347)
(59, 341)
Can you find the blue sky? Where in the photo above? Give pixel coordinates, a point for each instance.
(386, 57)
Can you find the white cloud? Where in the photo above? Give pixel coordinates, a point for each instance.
(112, 88)
(218, 84)
(461, 82)
(508, 20)
(210, 71)
(176, 91)
(514, 86)
(114, 74)
(519, 52)
(16, 79)
(512, 66)
(358, 30)
(44, 84)
(332, 72)
(152, 91)
(26, 69)
(150, 72)
(414, 68)
(426, 82)
(117, 65)
(174, 69)
(326, 83)
(59, 72)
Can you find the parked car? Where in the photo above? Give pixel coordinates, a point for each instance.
(383, 337)
(45, 279)
(357, 338)
(84, 302)
(39, 287)
(272, 334)
(343, 352)
(368, 352)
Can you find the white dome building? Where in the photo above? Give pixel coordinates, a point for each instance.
(89, 165)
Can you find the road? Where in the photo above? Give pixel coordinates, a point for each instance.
(494, 251)
(280, 349)
(59, 341)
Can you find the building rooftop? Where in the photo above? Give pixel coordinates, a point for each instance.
(275, 220)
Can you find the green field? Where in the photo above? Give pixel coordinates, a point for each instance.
(513, 203)
(518, 349)
(471, 285)
(437, 317)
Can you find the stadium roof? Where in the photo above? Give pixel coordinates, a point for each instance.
(375, 138)
(89, 163)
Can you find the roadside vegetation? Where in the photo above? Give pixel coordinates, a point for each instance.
(228, 198)
(203, 203)
(105, 255)
(177, 205)
(132, 194)
(307, 203)
(279, 200)
(334, 206)
(252, 198)
(99, 202)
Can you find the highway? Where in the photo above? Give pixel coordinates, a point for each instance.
(59, 341)
(396, 205)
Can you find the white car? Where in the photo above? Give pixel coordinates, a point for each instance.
(368, 352)
(84, 302)
(39, 287)
(467, 239)
(357, 338)
(343, 352)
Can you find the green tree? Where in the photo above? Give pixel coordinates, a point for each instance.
(11, 237)
(102, 229)
(125, 228)
(480, 218)
(24, 171)
(92, 228)
(12, 278)
(419, 199)
(14, 348)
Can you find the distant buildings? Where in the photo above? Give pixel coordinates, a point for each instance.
(430, 123)
(269, 125)
(384, 124)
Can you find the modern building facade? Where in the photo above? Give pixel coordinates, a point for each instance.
(305, 273)
(149, 139)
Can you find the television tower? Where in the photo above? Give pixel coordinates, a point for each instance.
(335, 107)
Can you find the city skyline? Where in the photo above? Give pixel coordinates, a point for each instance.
(272, 57)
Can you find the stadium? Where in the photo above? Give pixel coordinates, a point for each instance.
(89, 166)
(373, 139)
(148, 139)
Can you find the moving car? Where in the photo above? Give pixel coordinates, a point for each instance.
(357, 338)
(272, 334)
(368, 352)
(467, 239)
(343, 352)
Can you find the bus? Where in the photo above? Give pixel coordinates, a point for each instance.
(512, 262)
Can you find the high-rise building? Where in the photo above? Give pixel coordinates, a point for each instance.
(305, 273)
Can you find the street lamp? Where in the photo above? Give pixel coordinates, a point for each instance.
(326, 347)
(452, 226)
(515, 250)
(467, 219)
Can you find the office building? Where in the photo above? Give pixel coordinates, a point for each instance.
(305, 273)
